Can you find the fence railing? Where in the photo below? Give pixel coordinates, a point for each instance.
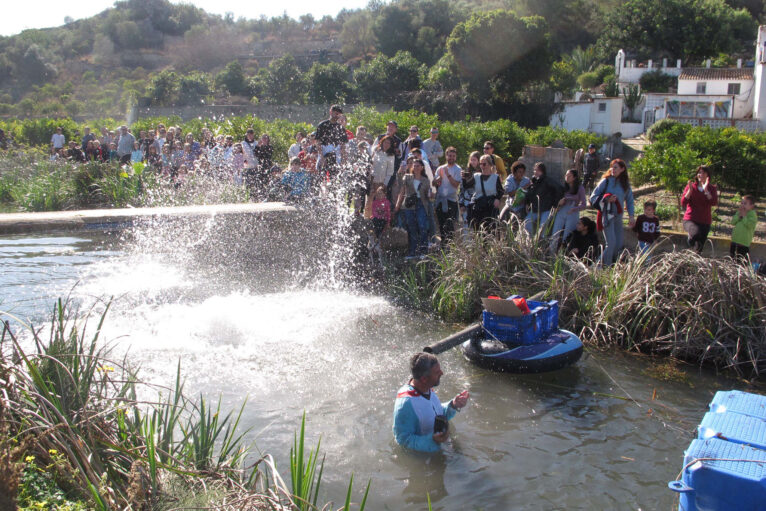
(749, 125)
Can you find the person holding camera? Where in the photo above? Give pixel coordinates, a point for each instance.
(487, 193)
(698, 199)
(420, 419)
(412, 201)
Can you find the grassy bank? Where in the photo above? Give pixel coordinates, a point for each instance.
(708, 311)
(74, 435)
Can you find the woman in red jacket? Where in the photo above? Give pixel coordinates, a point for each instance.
(698, 199)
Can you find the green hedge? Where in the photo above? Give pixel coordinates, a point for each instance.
(737, 158)
(465, 136)
(38, 132)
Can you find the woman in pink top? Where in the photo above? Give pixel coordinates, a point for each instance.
(381, 211)
(698, 198)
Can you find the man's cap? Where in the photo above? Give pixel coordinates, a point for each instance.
(393, 122)
(592, 146)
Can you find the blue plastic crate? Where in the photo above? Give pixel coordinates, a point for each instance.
(542, 320)
(522, 330)
(548, 312)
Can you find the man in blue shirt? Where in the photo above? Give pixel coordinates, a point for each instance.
(417, 409)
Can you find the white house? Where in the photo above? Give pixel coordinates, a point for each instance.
(705, 96)
(715, 97)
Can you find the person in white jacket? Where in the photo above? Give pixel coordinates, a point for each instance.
(383, 169)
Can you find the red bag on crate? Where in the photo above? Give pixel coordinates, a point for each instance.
(521, 303)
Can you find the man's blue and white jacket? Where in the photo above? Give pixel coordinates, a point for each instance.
(414, 415)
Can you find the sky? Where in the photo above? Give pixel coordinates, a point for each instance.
(17, 16)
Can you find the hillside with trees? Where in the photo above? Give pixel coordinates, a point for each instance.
(478, 58)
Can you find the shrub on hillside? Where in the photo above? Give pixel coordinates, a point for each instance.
(662, 126)
(39, 131)
(737, 159)
(656, 81)
(546, 135)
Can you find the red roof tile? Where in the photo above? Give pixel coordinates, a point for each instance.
(716, 73)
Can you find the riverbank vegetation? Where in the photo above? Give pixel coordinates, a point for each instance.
(75, 435)
(30, 181)
(678, 304)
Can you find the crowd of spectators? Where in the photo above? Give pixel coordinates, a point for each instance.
(411, 183)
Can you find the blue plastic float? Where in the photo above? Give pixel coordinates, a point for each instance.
(725, 466)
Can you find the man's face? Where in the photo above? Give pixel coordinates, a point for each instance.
(433, 378)
(334, 115)
(488, 149)
(451, 157)
(391, 128)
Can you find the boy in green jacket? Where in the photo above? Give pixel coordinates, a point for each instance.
(744, 227)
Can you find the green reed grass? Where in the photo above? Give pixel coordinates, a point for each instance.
(65, 400)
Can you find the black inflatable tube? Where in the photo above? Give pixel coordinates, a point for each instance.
(473, 354)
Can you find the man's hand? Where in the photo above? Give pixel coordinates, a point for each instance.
(460, 400)
(441, 437)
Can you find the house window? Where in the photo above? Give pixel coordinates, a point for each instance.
(701, 87)
(721, 109)
(602, 107)
(733, 88)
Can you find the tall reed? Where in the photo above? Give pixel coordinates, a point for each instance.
(66, 396)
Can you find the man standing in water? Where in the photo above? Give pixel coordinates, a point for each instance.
(420, 420)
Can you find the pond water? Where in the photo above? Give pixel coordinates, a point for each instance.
(587, 437)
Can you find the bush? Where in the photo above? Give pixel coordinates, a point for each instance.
(546, 135)
(737, 159)
(589, 80)
(656, 81)
(39, 131)
(660, 127)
